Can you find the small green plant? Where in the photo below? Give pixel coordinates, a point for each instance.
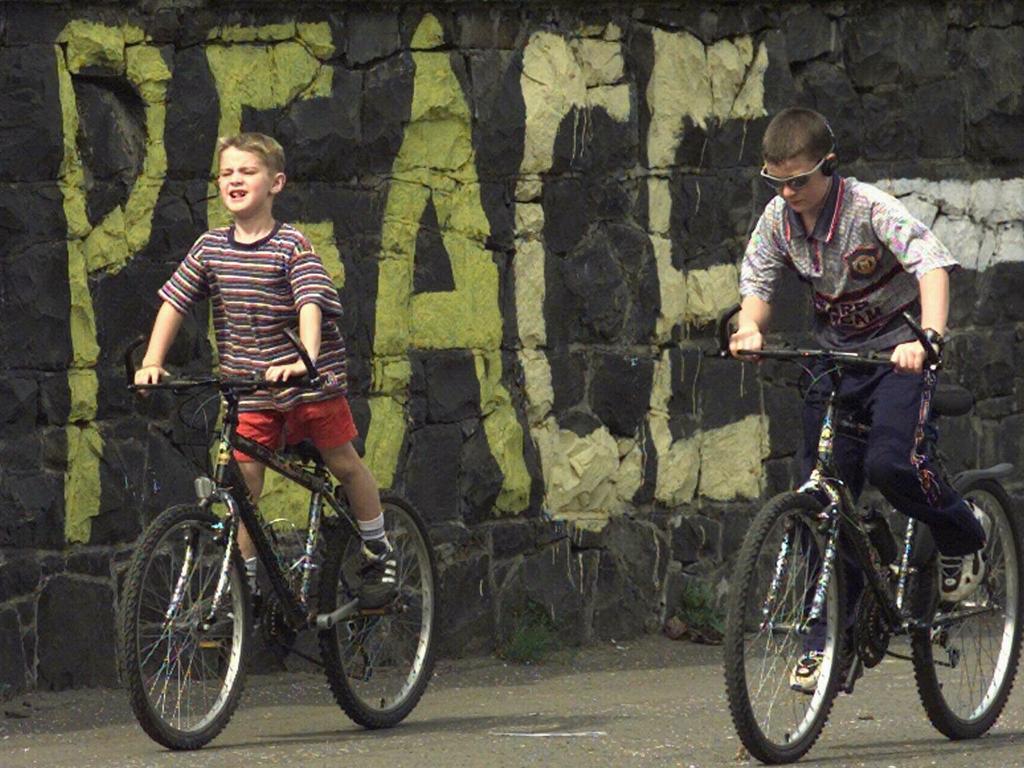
(701, 620)
(533, 638)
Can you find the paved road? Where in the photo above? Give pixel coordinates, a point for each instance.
(648, 702)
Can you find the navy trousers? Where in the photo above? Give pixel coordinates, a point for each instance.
(896, 455)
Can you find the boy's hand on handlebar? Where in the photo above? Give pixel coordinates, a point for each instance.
(909, 357)
(149, 374)
(747, 338)
(285, 372)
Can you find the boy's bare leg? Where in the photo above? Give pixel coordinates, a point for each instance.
(357, 480)
(252, 473)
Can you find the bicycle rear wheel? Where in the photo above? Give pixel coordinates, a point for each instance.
(378, 662)
(770, 597)
(182, 664)
(966, 662)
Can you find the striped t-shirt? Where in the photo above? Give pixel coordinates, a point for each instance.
(863, 260)
(256, 291)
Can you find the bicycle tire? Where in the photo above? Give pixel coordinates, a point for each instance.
(188, 649)
(759, 555)
(348, 663)
(935, 690)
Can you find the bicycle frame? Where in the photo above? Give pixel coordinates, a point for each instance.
(241, 508)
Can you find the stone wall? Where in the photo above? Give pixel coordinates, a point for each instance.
(533, 212)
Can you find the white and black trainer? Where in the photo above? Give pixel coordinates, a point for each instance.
(378, 574)
(961, 575)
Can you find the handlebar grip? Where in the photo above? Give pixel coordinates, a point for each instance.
(931, 352)
(129, 365)
(293, 337)
(723, 329)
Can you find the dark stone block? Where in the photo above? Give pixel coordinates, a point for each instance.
(371, 35)
(499, 114)
(898, 44)
(889, 131)
(781, 475)
(580, 423)
(785, 426)
(19, 396)
(938, 111)
(318, 134)
(19, 576)
(35, 333)
(568, 372)
(33, 506)
(30, 214)
(686, 542)
(432, 470)
(76, 635)
(31, 134)
(451, 386)
(808, 33)
(727, 393)
(984, 365)
(191, 130)
(779, 88)
(481, 478)
(996, 138)
(387, 96)
(735, 522)
(595, 144)
(958, 443)
(620, 391)
(620, 608)
(634, 252)
(562, 582)
(466, 616)
(566, 214)
(595, 289)
(992, 76)
(643, 551)
(89, 562)
(826, 87)
(12, 654)
(512, 537)
(487, 28)
(707, 212)
(710, 533)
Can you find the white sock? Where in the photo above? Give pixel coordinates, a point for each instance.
(370, 530)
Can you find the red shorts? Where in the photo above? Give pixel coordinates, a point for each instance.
(328, 423)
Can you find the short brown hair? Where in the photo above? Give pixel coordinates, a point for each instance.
(267, 147)
(795, 132)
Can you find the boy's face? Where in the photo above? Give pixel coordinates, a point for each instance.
(247, 187)
(808, 186)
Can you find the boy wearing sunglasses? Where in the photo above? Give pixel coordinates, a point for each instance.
(867, 260)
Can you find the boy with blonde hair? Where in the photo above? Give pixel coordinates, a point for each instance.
(262, 277)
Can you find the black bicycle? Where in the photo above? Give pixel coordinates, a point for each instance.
(186, 612)
(790, 579)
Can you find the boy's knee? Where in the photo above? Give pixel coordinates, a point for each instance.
(884, 470)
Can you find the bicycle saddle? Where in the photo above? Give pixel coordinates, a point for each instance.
(952, 400)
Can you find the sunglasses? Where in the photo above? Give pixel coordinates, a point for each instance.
(793, 182)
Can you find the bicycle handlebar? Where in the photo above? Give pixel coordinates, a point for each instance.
(842, 356)
(250, 383)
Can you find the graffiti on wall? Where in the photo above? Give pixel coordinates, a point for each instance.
(580, 80)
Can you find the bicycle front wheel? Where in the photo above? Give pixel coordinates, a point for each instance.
(181, 656)
(378, 662)
(767, 633)
(965, 663)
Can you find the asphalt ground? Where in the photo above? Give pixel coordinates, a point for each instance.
(645, 702)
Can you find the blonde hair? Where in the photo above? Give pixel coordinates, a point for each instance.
(266, 147)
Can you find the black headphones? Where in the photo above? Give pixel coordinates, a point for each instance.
(829, 166)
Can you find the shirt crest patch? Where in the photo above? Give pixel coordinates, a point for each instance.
(863, 261)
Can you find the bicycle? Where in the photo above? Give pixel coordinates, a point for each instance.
(186, 613)
(790, 576)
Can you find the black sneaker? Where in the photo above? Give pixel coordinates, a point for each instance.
(378, 574)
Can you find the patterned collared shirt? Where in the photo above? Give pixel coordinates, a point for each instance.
(863, 260)
(256, 291)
